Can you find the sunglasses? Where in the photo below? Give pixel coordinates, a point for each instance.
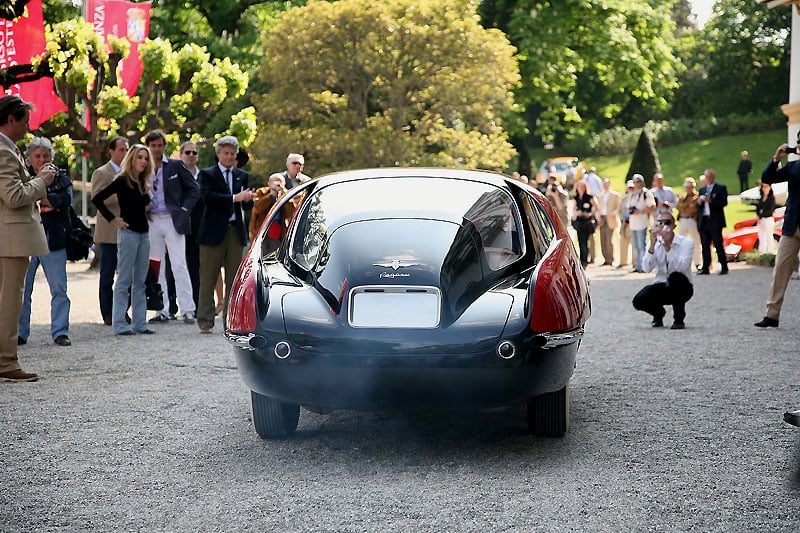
(664, 222)
(296, 163)
(190, 152)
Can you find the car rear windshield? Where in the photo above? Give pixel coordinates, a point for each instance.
(489, 209)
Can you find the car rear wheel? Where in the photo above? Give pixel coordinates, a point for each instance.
(548, 414)
(273, 419)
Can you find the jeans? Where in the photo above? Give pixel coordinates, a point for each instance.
(133, 260)
(54, 265)
(638, 237)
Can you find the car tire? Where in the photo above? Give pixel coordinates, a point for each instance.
(273, 419)
(548, 414)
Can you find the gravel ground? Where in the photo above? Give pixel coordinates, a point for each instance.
(671, 431)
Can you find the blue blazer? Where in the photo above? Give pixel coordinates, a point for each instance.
(218, 205)
(719, 199)
(181, 193)
(790, 173)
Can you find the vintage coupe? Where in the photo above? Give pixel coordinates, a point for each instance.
(409, 288)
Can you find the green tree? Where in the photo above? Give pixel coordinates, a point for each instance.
(360, 83)
(180, 89)
(738, 63)
(586, 65)
(645, 160)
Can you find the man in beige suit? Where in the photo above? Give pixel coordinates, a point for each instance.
(105, 233)
(608, 220)
(23, 235)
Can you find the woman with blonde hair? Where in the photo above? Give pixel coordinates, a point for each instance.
(133, 239)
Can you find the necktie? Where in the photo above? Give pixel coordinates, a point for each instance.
(19, 155)
(228, 179)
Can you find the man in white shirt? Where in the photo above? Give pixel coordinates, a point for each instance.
(670, 255)
(666, 199)
(594, 186)
(640, 204)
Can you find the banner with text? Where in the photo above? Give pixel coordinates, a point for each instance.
(123, 19)
(21, 40)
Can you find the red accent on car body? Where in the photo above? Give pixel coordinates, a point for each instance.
(242, 310)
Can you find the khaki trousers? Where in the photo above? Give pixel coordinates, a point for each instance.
(227, 255)
(624, 244)
(12, 286)
(785, 265)
(606, 243)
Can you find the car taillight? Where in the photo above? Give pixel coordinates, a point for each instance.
(560, 294)
(242, 305)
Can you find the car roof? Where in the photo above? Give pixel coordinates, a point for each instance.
(485, 176)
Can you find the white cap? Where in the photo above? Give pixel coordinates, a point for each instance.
(638, 177)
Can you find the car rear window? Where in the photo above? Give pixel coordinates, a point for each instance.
(489, 209)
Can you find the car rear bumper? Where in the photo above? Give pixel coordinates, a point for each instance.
(376, 382)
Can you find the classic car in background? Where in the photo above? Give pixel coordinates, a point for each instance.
(558, 166)
(744, 237)
(410, 288)
(753, 194)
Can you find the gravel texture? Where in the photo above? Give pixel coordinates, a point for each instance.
(671, 431)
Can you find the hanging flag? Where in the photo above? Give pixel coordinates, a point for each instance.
(23, 39)
(123, 19)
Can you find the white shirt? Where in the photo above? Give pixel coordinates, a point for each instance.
(594, 185)
(641, 200)
(678, 259)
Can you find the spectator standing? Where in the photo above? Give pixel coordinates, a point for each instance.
(640, 204)
(665, 197)
(585, 211)
(571, 174)
(711, 219)
(670, 255)
(765, 210)
(789, 245)
(594, 186)
(133, 239)
(608, 220)
(188, 155)
(687, 217)
(23, 234)
(624, 227)
(744, 170)
(293, 175)
(174, 192)
(105, 234)
(558, 197)
(223, 235)
(54, 210)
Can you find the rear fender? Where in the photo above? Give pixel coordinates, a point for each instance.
(560, 291)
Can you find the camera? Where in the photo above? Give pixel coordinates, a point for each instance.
(791, 149)
(657, 225)
(61, 182)
(632, 210)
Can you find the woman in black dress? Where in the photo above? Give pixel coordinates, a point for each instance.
(584, 222)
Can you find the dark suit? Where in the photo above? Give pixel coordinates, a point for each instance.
(710, 226)
(222, 240)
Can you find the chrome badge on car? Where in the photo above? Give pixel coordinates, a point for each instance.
(394, 264)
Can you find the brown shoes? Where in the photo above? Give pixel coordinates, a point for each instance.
(107, 321)
(18, 376)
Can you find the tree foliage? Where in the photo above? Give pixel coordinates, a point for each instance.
(645, 159)
(739, 62)
(586, 64)
(179, 90)
(360, 83)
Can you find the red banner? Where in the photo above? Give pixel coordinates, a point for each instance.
(123, 19)
(21, 40)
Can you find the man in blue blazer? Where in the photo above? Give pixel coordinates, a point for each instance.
(225, 192)
(174, 193)
(789, 245)
(711, 220)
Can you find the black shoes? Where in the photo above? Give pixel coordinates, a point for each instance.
(658, 322)
(21, 341)
(767, 322)
(702, 272)
(678, 324)
(724, 271)
(160, 317)
(792, 417)
(63, 340)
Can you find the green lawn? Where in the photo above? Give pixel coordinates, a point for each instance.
(691, 159)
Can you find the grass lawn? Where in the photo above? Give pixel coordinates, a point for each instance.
(691, 159)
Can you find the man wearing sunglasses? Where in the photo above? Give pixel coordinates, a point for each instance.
(293, 175)
(670, 255)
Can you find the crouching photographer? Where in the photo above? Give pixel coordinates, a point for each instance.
(670, 255)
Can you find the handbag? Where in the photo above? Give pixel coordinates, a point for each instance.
(152, 288)
(79, 236)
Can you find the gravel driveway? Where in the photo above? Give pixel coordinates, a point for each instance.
(671, 431)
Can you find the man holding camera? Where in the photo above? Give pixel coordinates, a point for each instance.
(711, 220)
(670, 255)
(789, 245)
